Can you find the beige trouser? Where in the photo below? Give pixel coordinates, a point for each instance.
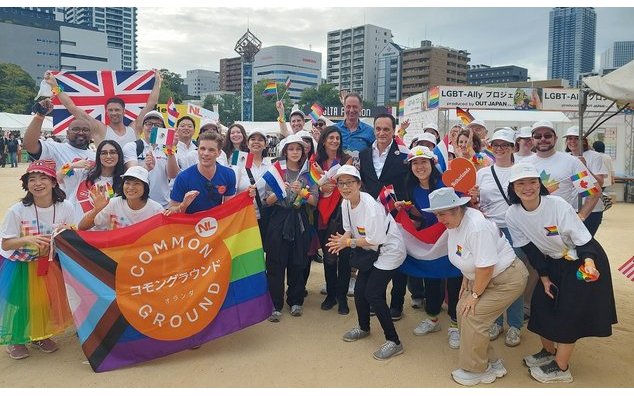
(475, 348)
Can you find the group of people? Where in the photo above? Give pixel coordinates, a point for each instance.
(9, 149)
(506, 221)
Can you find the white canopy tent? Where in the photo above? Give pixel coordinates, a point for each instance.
(19, 122)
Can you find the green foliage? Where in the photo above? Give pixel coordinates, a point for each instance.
(326, 94)
(173, 86)
(229, 107)
(17, 89)
(264, 106)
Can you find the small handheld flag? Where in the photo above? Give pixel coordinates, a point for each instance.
(316, 111)
(387, 197)
(627, 269)
(315, 176)
(172, 113)
(288, 82)
(464, 115)
(402, 147)
(275, 178)
(248, 164)
(584, 183)
(162, 136)
(270, 89)
(442, 154)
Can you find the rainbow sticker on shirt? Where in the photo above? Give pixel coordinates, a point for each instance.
(459, 251)
(552, 230)
(361, 230)
(550, 184)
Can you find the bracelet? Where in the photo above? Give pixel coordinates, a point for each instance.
(67, 170)
(170, 150)
(281, 119)
(56, 90)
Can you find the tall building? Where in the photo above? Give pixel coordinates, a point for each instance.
(119, 24)
(428, 66)
(619, 54)
(388, 88)
(571, 42)
(231, 74)
(483, 74)
(199, 81)
(279, 62)
(353, 57)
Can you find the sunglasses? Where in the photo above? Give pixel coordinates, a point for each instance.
(546, 136)
(320, 124)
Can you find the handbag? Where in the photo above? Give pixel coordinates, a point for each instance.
(364, 259)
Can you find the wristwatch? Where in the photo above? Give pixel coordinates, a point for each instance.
(353, 243)
(474, 295)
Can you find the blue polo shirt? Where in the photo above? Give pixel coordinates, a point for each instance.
(211, 191)
(358, 140)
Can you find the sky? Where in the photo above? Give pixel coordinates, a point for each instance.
(181, 39)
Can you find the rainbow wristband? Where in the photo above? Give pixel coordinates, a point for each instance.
(67, 170)
(56, 90)
(169, 150)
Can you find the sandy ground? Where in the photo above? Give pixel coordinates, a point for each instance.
(308, 351)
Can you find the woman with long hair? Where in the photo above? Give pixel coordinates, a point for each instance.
(235, 142)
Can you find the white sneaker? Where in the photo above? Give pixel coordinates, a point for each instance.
(550, 373)
(498, 368)
(427, 326)
(469, 378)
(454, 339)
(388, 350)
(512, 337)
(351, 287)
(494, 331)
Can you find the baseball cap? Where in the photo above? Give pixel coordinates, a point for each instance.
(477, 122)
(138, 172)
(543, 124)
(420, 152)
(153, 114)
(348, 170)
(522, 170)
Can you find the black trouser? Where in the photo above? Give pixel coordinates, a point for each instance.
(435, 295)
(336, 267)
(399, 284)
(593, 221)
(370, 290)
(283, 255)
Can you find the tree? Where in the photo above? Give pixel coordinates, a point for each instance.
(17, 89)
(229, 107)
(326, 94)
(173, 86)
(264, 106)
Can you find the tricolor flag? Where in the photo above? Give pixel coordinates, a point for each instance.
(162, 136)
(387, 197)
(584, 183)
(275, 178)
(288, 82)
(248, 163)
(316, 111)
(442, 154)
(238, 157)
(464, 115)
(628, 269)
(166, 284)
(172, 113)
(270, 89)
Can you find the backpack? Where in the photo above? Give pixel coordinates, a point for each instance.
(139, 147)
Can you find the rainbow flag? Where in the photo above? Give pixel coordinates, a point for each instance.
(464, 115)
(316, 111)
(459, 251)
(361, 230)
(401, 108)
(166, 284)
(270, 89)
(434, 97)
(488, 151)
(579, 176)
(552, 230)
(172, 113)
(314, 175)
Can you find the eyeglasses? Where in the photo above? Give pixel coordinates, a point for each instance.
(106, 153)
(153, 124)
(78, 129)
(346, 184)
(546, 136)
(500, 146)
(320, 124)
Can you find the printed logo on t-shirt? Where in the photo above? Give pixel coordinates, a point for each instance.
(550, 184)
(459, 251)
(552, 230)
(221, 189)
(361, 230)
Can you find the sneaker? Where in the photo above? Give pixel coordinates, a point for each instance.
(297, 310)
(539, 359)
(417, 303)
(454, 338)
(323, 289)
(498, 368)
(328, 304)
(427, 326)
(512, 337)
(550, 373)
(46, 345)
(494, 331)
(469, 378)
(396, 314)
(275, 316)
(372, 313)
(355, 334)
(17, 351)
(388, 350)
(351, 287)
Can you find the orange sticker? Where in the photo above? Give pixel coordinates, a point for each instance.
(461, 175)
(172, 282)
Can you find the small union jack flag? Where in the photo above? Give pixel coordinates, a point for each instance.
(628, 269)
(90, 90)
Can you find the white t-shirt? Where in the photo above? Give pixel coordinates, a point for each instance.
(369, 221)
(595, 164)
(63, 153)
(22, 221)
(478, 243)
(129, 136)
(81, 199)
(609, 165)
(159, 182)
(556, 172)
(520, 158)
(182, 152)
(553, 227)
(492, 203)
(117, 214)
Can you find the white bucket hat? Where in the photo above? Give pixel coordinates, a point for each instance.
(506, 134)
(294, 139)
(445, 198)
(522, 170)
(428, 137)
(420, 152)
(431, 125)
(138, 172)
(524, 133)
(256, 133)
(348, 170)
(572, 131)
(477, 122)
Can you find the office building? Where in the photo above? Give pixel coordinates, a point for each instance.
(389, 75)
(621, 53)
(231, 75)
(199, 81)
(484, 74)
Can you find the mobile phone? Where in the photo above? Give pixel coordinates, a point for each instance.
(554, 290)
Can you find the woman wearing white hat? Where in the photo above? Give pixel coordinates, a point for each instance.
(575, 298)
(367, 227)
(493, 278)
(523, 144)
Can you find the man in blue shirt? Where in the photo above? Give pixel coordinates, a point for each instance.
(357, 136)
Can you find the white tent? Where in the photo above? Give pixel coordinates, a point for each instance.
(618, 85)
(19, 122)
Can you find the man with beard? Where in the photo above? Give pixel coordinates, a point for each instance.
(74, 150)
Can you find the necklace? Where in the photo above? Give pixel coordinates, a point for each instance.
(37, 218)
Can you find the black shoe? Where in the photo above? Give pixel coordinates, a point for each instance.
(396, 314)
(328, 304)
(372, 313)
(318, 258)
(343, 306)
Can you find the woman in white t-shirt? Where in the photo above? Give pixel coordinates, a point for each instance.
(256, 144)
(367, 226)
(493, 277)
(33, 304)
(574, 298)
(132, 206)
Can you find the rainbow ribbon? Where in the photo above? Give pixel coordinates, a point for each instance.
(585, 276)
(301, 198)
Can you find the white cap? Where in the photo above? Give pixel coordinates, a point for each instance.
(305, 134)
(543, 124)
(348, 170)
(524, 133)
(428, 137)
(420, 152)
(296, 110)
(522, 170)
(477, 122)
(445, 198)
(256, 133)
(154, 114)
(506, 134)
(293, 139)
(572, 131)
(138, 172)
(431, 125)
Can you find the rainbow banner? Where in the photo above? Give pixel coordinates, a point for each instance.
(166, 284)
(270, 89)
(434, 98)
(464, 115)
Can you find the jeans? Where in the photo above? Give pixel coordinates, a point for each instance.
(369, 290)
(515, 311)
(13, 158)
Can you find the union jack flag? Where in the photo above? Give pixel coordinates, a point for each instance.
(90, 90)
